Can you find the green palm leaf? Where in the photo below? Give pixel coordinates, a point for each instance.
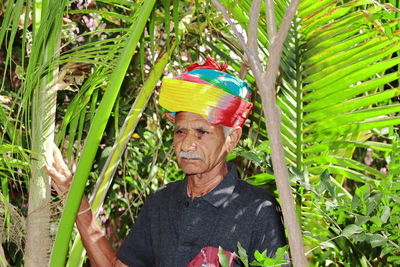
(107, 174)
(96, 131)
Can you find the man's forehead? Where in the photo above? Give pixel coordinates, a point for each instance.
(184, 119)
(188, 115)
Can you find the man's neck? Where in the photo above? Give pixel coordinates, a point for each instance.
(202, 184)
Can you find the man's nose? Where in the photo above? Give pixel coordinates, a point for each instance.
(189, 142)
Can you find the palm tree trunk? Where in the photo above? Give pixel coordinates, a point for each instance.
(38, 240)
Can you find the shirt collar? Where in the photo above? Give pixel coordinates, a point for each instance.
(220, 193)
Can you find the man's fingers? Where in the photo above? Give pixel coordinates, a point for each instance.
(59, 189)
(59, 182)
(59, 163)
(56, 176)
(65, 171)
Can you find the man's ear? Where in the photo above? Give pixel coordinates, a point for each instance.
(233, 138)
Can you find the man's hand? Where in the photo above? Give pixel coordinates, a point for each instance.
(61, 176)
(99, 250)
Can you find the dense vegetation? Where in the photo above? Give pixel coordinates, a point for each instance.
(95, 65)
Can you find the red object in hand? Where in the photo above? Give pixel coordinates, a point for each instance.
(208, 257)
(209, 64)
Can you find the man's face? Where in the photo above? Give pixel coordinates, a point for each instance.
(199, 145)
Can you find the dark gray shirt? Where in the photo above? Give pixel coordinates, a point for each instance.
(172, 228)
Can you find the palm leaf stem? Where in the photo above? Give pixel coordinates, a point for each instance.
(60, 248)
(106, 176)
(299, 117)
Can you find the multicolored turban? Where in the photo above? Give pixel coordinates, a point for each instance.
(216, 95)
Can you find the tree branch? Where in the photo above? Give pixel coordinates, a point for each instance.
(253, 58)
(287, 21)
(253, 26)
(271, 21)
(266, 85)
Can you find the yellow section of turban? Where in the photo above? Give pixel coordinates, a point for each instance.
(179, 95)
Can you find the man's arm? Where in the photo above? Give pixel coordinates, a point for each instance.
(98, 248)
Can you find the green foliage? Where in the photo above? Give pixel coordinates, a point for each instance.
(222, 258)
(242, 255)
(262, 259)
(369, 222)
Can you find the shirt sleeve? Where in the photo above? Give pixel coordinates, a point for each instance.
(137, 250)
(268, 233)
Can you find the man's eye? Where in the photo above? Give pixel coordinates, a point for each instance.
(179, 131)
(202, 132)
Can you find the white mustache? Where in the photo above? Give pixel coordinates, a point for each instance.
(187, 155)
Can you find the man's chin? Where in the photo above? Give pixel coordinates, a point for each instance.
(191, 171)
(190, 168)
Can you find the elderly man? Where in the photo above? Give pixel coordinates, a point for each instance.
(183, 223)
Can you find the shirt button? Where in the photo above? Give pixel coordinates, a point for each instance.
(186, 203)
